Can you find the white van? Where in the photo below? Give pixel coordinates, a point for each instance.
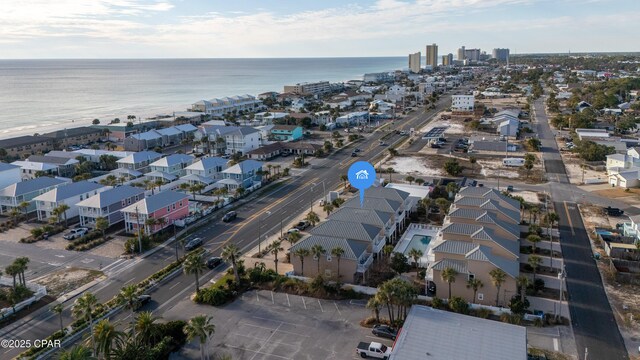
(513, 161)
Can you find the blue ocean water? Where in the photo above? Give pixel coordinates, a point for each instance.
(36, 94)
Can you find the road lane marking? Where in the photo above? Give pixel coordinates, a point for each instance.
(266, 341)
(321, 309)
(304, 303)
(272, 301)
(566, 208)
(288, 302)
(555, 344)
(130, 280)
(339, 312)
(257, 297)
(171, 288)
(257, 352)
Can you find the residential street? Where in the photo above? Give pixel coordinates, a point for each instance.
(596, 332)
(285, 201)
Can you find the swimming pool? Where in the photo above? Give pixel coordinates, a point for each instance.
(419, 242)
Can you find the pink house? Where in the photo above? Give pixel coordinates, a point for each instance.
(168, 205)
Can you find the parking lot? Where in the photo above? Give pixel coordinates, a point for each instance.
(267, 325)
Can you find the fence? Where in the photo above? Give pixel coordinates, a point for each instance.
(625, 271)
(38, 293)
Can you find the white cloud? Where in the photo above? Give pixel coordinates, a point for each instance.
(345, 30)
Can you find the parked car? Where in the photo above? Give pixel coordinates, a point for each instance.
(356, 150)
(75, 233)
(293, 230)
(354, 154)
(375, 350)
(302, 225)
(403, 133)
(230, 216)
(510, 188)
(611, 211)
(196, 242)
(214, 262)
(473, 183)
(435, 146)
(385, 331)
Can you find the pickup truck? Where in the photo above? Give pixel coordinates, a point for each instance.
(374, 350)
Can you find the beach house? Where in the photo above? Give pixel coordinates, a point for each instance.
(139, 161)
(107, 204)
(243, 174)
(9, 174)
(25, 191)
(69, 194)
(168, 206)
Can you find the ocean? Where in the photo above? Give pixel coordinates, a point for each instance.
(41, 95)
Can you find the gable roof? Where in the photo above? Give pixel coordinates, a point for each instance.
(483, 253)
(347, 230)
(454, 247)
(139, 157)
(243, 167)
(170, 131)
(460, 266)
(155, 202)
(149, 135)
(387, 193)
(69, 190)
(186, 128)
(53, 160)
(111, 196)
(363, 216)
(208, 163)
(353, 249)
(5, 166)
(489, 193)
(32, 165)
(373, 203)
(173, 159)
(485, 233)
(28, 186)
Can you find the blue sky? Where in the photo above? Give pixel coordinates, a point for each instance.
(289, 28)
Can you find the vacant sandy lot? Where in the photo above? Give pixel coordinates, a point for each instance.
(63, 281)
(413, 165)
(494, 168)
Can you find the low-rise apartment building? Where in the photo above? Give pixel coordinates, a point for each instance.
(174, 164)
(70, 194)
(308, 88)
(75, 136)
(23, 146)
(107, 204)
(169, 206)
(217, 108)
(25, 191)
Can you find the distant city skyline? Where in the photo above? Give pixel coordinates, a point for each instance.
(290, 28)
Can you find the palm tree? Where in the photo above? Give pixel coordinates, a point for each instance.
(78, 352)
(317, 250)
(128, 297)
(62, 209)
(344, 178)
(83, 309)
(374, 305)
(452, 188)
(230, 254)
(200, 327)
(415, 254)
(337, 252)
(312, 218)
(150, 224)
(275, 248)
(105, 335)
(534, 239)
(498, 277)
(21, 264)
(328, 207)
(449, 275)
(194, 264)
(522, 282)
(240, 191)
(13, 271)
(58, 309)
(145, 327)
(474, 284)
(387, 250)
(534, 261)
(24, 206)
(293, 237)
(102, 225)
(302, 253)
(419, 181)
(410, 179)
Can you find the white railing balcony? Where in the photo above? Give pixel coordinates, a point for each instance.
(429, 276)
(365, 262)
(378, 246)
(629, 230)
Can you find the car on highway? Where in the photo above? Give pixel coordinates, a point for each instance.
(382, 143)
(385, 331)
(403, 133)
(192, 244)
(302, 225)
(356, 150)
(510, 188)
(142, 300)
(75, 233)
(230, 216)
(214, 262)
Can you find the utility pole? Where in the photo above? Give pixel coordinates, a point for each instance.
(139, 232)
(175, 241)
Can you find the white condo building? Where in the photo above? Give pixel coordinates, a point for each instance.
(225, 105)
(462, 102)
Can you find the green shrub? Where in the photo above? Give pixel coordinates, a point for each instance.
(459, 305)
(437, 303)
(482, 313)
(214, 296)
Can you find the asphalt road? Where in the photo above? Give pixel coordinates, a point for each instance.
(594, 326)
(284, 202)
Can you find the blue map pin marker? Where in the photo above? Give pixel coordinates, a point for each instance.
(361, 175)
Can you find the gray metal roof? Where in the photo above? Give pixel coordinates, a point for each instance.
(53, 160)
(483, 253)
(208, 163)
(461, 229)
(5, 166)
(347, 230)
(353, 249)
(467, 213)
(155, 202)
(508, 212)
(512, 228)
(489, 193)
(198, 178)
(460, 266)
(69, 190)
(373, 203)
(243, 167)
(140, 157)
(161, 174)
(363, 216)
(488, 234)
(387, 193)
(111, 196)
(455, 247)
(434, 334)
(29, 186)
(23, 141)
(173, 159)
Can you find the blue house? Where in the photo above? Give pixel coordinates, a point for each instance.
(286, 132)
(243, 174)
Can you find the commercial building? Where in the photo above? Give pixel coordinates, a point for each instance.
(308, 88)
(414, 62)
(472, 54)
(434, 334)
(286, 132)
(447, 59)
(432, 56)
(462, 102)
(461, 54)
(501, 55)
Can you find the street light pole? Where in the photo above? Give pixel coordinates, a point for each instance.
(562, 275)
(138, 228)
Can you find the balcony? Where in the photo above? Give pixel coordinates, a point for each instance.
(365, 261)
(629, 230)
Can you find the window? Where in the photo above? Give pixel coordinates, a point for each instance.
(471, 276)
(123, 203)
(180, 203)
(168, 208)
(173, 206)
(129, 201)
(480, 296)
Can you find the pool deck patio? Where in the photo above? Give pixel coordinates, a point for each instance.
(417, 229)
